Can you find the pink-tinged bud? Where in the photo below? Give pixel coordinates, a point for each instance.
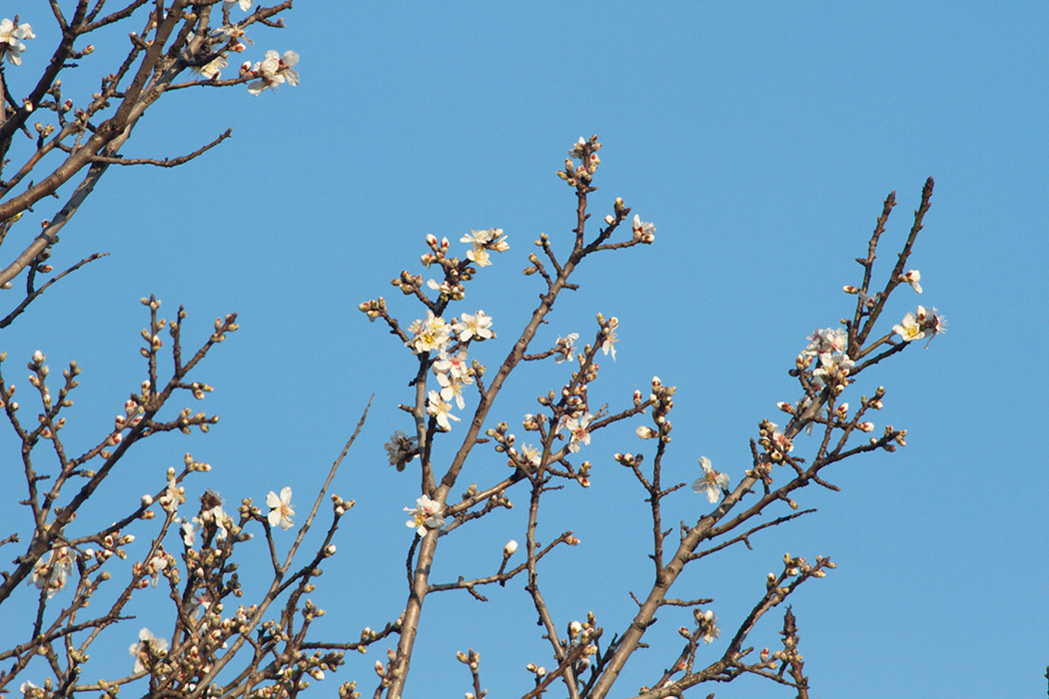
(685, 633)
(850, 289)
(764, 655)
(866, 426)
(785, 407)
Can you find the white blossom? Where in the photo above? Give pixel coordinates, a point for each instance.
(477, 325)
(439, 409)
(273, 71)
(11, 46)
(147, 648)
(280, 508)
(425, 515)
(711, 482)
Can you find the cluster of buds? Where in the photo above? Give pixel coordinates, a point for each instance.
(504, 440)
(582, 634)
(621, 211)
(629, 459)
(455, 273)
(471, 659)
(341, 506)
(407, 283)
(532, 423)
(374, 308)
(199, 389)
(776, 444)
(662, 400)
(438, 252)
(573, 405)
(223, 326)
(707, 627)
(585, 151)
(794, 567)
(132, 415)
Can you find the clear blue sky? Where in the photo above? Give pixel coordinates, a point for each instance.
(761, 140)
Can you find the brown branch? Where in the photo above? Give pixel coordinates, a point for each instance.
(34, 294)
(166, 162)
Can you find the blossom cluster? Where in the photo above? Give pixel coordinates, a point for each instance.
(830, 346)
(273, 71)
(919, 325)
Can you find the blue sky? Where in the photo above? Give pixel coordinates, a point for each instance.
(761, 140)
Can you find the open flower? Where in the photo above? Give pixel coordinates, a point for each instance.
(212, 68)
(531, 455)
(578, 432)
(910, 328)
(827, 340)
(490, 239)
(454, 365)
(609, 340)
(30, 690)
(401, 449)
(11, 46)
(431, 333)
(912, 277)
(189, 532)
(53, 574)
(425, 515)
(711, 481)
(280, 508)
(708, 625)
(156, 565)
(936, 325)
(564, 345)
(441, 410)
(273, 71)
(645, 232)
(148, 648)
(780, 441)
(451, 390)
(834, 369)
(478, 325)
